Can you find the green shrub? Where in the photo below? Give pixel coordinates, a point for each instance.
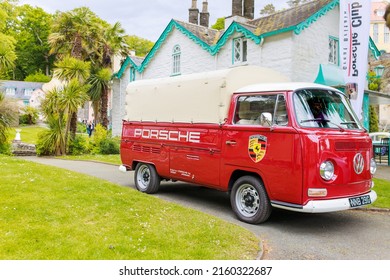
(81, 127)
(78, 146)
(29, 115)
(109, 146)
(43, 146)
(5, 148)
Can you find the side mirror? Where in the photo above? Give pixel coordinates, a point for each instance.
(266, 119)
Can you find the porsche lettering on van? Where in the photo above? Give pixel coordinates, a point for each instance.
(179, 136)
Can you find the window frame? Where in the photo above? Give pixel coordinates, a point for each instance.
(334, 51)
(176, 60)
(242, 50)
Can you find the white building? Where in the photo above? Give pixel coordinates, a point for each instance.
(301, 43)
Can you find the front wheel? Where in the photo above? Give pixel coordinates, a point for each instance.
(146, 178)
(250, 201)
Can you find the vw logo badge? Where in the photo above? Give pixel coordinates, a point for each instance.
(358, 163)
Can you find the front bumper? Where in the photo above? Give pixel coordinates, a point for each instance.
(322, 206)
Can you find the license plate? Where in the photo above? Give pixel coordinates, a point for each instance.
(360, 201)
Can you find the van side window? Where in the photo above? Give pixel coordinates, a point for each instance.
(255, 110)
(281, 116)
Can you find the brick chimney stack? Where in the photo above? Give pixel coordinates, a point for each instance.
(205, 15)
(237, 7)
(249, 9)
(243, 8)
(194, 12)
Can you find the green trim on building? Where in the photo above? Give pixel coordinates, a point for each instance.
(305, 24)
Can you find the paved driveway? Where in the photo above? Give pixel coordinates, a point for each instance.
(346, 235)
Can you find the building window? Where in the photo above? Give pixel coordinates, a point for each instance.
(386, 36)
(375, 32)
(333, 51)
(10, 91)
(132, 74)
(28, 91)
(240, 50)
(176, 53)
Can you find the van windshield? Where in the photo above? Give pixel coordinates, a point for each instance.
(321, 108)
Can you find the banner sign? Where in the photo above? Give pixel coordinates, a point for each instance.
(354, 40)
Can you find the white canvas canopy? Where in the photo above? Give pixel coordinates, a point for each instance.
(198, 98)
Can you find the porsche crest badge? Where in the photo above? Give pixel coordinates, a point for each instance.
(257, 147)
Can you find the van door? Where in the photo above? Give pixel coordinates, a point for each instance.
(261, 140)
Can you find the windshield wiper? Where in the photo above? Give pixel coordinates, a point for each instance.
(312, 120)
(349, 122)
(326, 121)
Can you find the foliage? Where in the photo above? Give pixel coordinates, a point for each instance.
(70, 68)
(268, 9)
(109, 146)
(141, 46)
(98, 92)
(55, 214)
(219, 24)
(5, 148)
(78, 145)
(81, 128)
(374, 82)
(30, 26)
(374, 121)
(29, 115)
(7, 55)
(8, 113)
(38, 77)
(52, 141)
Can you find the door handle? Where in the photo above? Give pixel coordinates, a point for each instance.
(231, 142)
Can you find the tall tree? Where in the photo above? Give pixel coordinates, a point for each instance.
(141, 46)
(113, 43)
(98, 93)
(7, 55)
(294, 3)
(268, 9)
(70, 69)
(31, 29)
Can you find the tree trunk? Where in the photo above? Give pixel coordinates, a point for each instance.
(104, 108)
(73, 126)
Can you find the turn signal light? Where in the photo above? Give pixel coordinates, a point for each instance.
(317, 192)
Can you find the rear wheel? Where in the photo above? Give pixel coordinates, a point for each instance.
(146, 178)
(250, 201)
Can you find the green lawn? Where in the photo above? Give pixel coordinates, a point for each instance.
(29, 134)
(112, 159)
(48, 213)
(382, 188)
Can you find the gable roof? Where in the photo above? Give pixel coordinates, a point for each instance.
(290, 20)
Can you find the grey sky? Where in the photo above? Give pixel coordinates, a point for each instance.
(145, 18)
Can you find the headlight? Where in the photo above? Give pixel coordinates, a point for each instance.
(327, 170)
(372, 166)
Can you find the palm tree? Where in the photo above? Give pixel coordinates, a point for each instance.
(7, 53)
(73, 96)
(113, 43)
(67, 70)
(82, 35)
(98, 93)
(74, 33)
(7, 115)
